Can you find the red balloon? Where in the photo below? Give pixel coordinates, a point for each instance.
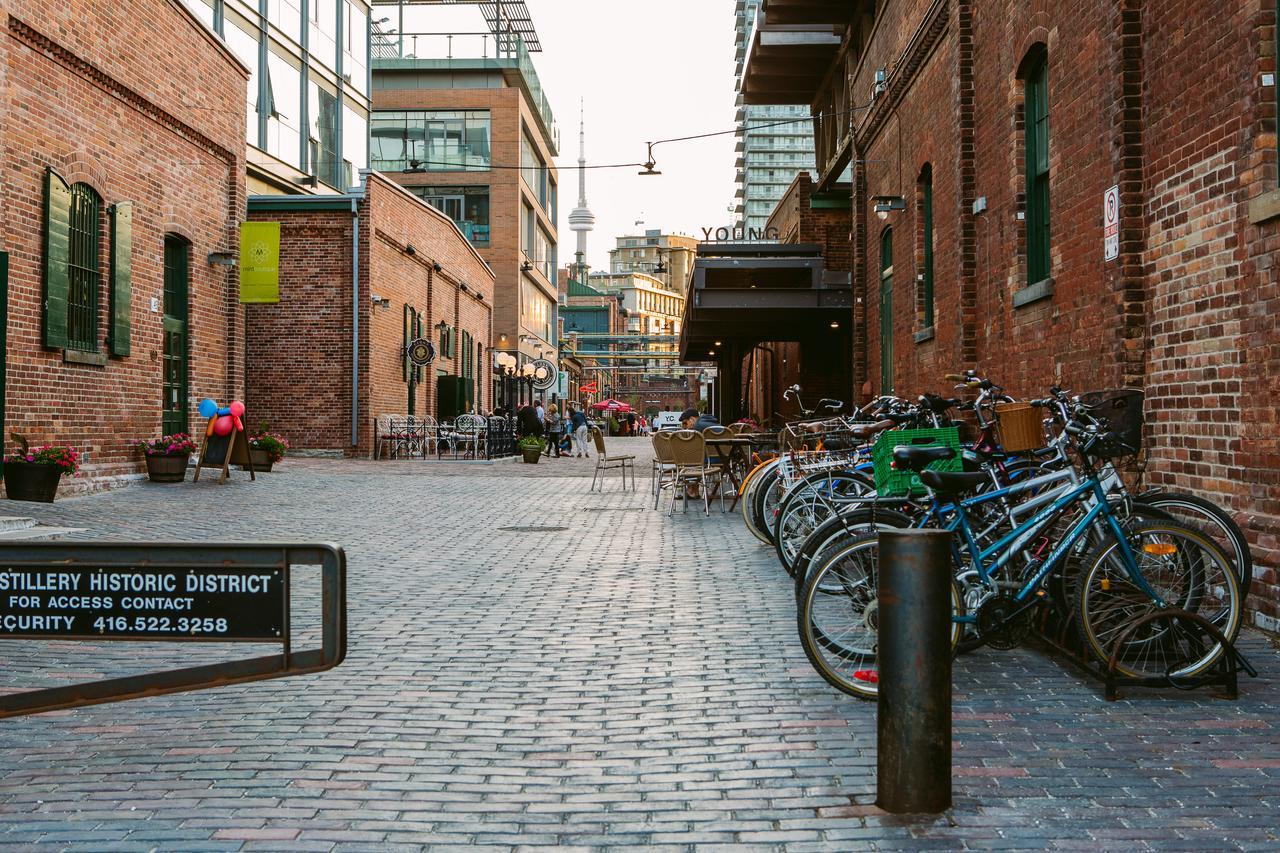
(237, 408)
(223, 425)
(238, 423)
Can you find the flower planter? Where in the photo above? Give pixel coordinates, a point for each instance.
(261, 460)
(31, 481)
(531, 455)
(167, 467)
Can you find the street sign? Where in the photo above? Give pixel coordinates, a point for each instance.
(1111, 224)
(105, 591)
(142, 602)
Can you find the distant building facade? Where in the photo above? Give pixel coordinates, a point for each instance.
(668, 257)
(452, 116)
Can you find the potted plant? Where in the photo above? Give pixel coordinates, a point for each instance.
(266, 449)
(530, 448)
(167, 457)
(32, 473)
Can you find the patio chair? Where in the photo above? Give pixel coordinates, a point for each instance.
(399, 434)
(469, 430)
(381, 435)
(431, 434)
(604, 462)
(689, 452)
(664, 465)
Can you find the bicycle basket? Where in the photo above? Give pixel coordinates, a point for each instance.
(890, 482)
(1121, 409)
(1021, 427)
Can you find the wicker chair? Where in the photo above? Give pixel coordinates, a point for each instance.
(604, 462)
(689, 451)
(664, 465)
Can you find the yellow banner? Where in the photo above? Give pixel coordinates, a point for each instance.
(259, 262)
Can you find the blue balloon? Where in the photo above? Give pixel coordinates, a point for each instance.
(208, 408)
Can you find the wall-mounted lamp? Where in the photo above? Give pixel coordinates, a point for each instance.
(441, 326)
(382, 302)
(526, 267)
(222, 259)
(884, 204)
(410, 251)
(312, 181)
(835, 324)
(462, 285)
(436, 266)
(881, 83)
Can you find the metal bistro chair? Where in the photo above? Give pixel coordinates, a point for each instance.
(604, 462)
(469, 431)
(381, 435)
(400, 435)
(689, 451)
(430, 435)
(664, 465)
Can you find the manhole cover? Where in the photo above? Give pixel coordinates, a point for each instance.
(536, 528)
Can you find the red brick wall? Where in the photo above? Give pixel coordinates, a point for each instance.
(300, 350)
(1176, 117)
(153, 115)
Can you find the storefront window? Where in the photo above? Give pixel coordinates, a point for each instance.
(431, 140)
(468, 207)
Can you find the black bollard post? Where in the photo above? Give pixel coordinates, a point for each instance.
(913, 727)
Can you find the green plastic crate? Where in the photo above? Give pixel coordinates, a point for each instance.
(891, 482)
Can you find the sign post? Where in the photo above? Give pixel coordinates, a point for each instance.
(1111, 224)
(166, 593)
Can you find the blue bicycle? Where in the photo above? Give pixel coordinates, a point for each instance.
(1131, 567)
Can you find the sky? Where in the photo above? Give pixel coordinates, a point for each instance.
(645, 70)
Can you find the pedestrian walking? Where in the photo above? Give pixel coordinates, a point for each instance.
(578, 423)
(551, 429)
(527, 422)
(631, 424)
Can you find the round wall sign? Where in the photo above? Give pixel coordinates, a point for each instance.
(422, 352)
(544, 374)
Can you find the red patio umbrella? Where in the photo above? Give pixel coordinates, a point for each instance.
(611, 405)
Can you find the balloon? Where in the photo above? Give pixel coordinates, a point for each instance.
(237, 409)
(208, 408)
(239, 424)
(223, 425)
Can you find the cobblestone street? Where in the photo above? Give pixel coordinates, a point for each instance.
(621, 679)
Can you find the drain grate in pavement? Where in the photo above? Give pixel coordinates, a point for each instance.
(535, 528)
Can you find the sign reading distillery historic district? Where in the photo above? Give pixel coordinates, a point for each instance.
(179, 603)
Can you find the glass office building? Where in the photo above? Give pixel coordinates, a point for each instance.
(768, 157)
(308, 92)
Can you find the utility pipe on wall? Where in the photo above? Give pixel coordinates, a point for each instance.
(355, 322)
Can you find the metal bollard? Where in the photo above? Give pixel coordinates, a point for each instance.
(913, 726)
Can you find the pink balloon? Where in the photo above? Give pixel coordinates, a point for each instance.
(223, 425)
(238, 423)
(237, 408)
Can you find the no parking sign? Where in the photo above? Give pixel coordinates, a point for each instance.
(1111, 224)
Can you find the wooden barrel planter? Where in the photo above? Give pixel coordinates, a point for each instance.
(31, 481)
(167, 467)
(261, 459)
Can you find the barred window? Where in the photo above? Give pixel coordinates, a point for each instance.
(84, 271)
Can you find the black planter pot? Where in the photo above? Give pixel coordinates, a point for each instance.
(531, 455)
(167, 468)
(31, 481)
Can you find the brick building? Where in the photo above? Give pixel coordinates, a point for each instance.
(415, 276)
(984, 137)
(462, 121)
(123, 173)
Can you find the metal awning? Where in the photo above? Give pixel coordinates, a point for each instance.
(752, 292)
(792, 46)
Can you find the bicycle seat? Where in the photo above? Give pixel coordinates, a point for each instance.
(915, 458)
(954, 483)
(863, 432)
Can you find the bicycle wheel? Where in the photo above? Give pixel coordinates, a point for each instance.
(769, 496)
(1188, 570)
(811, 502)
(837, 617)
(1214, 522)
(747, 501)
(838, 531)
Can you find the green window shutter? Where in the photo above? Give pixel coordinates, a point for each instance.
(57, 256)
(405, 364)
(121, 276)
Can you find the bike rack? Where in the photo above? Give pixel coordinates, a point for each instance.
(1059, 635)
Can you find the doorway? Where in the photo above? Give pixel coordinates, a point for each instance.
(177, 286)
